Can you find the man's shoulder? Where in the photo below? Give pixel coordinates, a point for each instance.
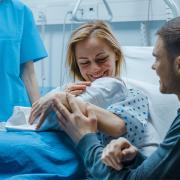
(178, 111)
(177, 119)
(175, 127)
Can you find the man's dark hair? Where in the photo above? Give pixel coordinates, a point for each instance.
(170, 34)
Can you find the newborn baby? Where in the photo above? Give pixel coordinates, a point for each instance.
(103, 92)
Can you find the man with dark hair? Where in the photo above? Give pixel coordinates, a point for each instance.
(164, 163)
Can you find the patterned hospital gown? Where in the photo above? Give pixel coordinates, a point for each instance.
(134, 110)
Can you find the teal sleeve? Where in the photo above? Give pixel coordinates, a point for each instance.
(32, 47)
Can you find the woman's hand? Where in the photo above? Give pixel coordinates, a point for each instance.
(77, 88)
(43, 106)
(73, 121)
(117, 152)
(40, 108)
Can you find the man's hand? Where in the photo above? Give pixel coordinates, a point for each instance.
(73, 121)
(117, 152)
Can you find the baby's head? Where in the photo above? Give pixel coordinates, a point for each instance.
(94, 52)
(104, 92)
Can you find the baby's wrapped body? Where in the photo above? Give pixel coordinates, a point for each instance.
(111, 94)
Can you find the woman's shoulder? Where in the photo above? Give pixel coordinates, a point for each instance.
(135, 105)
(136, 93)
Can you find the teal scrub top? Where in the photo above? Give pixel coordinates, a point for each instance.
(20, 42)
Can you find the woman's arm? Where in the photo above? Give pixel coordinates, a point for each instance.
(108, 122)
(30, 81)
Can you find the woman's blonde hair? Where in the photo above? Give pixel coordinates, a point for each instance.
(98, 29)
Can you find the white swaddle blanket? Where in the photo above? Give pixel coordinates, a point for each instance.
(103, 92)
(19, 119)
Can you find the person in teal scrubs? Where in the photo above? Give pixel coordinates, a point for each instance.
(20, 47)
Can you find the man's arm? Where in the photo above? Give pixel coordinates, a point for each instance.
(91, 149)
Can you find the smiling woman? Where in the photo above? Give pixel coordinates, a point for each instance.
(94, 52)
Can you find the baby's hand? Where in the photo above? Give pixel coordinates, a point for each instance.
(77, 88)
(117, 152)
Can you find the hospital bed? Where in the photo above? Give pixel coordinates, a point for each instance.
(51, 155)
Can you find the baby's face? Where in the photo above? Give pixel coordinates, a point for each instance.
(95, 59)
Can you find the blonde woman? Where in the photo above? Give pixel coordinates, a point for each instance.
(92, 52)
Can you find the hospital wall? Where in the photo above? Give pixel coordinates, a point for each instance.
(134, 23)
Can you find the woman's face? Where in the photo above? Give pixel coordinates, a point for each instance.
(95, 59)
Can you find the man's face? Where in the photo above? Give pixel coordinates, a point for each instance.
(164, 68)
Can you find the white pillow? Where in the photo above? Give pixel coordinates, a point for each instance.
(138, 63)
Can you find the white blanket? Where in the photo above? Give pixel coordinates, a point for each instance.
(19, 119)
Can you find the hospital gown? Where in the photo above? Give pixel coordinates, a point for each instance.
(19, 43)
(134, 110)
